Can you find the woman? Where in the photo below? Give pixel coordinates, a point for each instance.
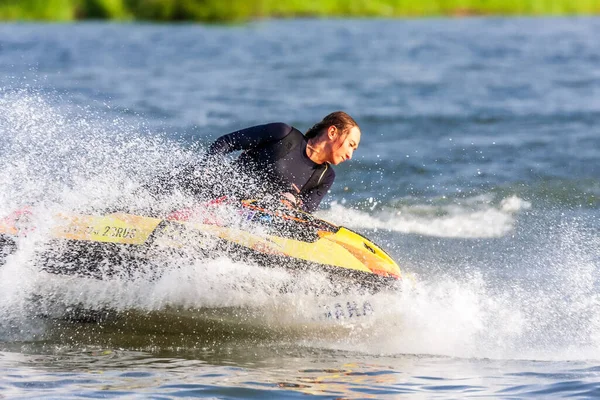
(290, 163)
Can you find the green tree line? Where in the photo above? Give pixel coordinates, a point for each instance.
(241, 10)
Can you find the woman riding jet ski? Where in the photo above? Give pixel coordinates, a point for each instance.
(276, 233)
(296, 165)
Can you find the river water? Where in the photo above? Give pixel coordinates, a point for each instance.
(478, 171)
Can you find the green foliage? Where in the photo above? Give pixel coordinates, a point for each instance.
(194, 10)
(216, 10)
(156, 10)
(50, 10)
(239, 10)
(101, 9)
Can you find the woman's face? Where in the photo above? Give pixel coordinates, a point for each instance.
(342, 145)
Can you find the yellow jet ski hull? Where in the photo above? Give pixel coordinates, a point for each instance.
(98, 245)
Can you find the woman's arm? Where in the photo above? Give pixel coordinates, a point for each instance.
(249, 138)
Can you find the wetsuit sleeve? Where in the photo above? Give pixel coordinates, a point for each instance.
(312, 198)
(249, 138)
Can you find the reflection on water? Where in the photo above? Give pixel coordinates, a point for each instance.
(233, 370)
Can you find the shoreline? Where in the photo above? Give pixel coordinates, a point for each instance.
(248, 10)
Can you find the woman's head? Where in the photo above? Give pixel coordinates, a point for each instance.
(338, 135)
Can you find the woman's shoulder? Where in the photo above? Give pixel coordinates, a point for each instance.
(280, 127)
(264, 133)
(272, 130)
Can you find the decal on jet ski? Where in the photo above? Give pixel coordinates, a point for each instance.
(79, 230)
(268, 247)
(351, 309)
(247, 215)
(116, 232)
(172, 231)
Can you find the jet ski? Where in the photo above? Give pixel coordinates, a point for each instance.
(106, 245)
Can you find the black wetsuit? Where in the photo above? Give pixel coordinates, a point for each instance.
(276, 153)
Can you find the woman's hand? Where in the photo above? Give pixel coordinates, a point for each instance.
(294, 200)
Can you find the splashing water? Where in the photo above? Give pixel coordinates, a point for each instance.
(61, 162)
(548, 308)
(480, 219)
(545, 307)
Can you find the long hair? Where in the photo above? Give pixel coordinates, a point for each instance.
(339, 119)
